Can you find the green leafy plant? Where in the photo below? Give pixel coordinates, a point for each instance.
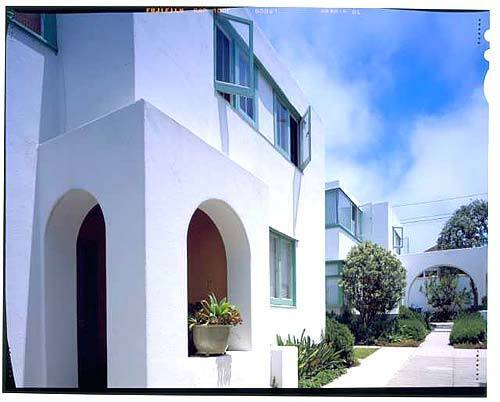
(373, 281)
(214, 312)
(468, 329)
(340, 338)
(322, 378)
(312, 357)
(445, 296)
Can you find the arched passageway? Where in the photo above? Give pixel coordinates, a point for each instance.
(416, 291)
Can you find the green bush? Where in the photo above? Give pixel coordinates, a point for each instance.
(468, 328)
(410, 329)
(340, 338)
(313, 357)
(408, 313)
(322, 378)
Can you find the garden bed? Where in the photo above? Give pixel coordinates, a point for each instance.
(404, 343)
(470, 346)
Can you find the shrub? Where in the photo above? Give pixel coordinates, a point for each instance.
(340, 338)
(373, 280)
(313, 357)
(411, 314)
(468, 329)
(322, 378)
(410, 329)
(445, 296)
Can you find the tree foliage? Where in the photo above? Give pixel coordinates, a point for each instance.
(467, 227)
(445, 296)
(373, 280)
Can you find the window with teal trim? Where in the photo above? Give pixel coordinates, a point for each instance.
(42, 26)
(292, 134)
(397, 239)
(341, 211)
(234, 62)
(282, 269)
(333, 292)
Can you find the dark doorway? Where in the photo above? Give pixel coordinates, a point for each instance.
(91, 302)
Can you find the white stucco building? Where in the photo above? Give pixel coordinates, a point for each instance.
(152, 158)
(348, 223)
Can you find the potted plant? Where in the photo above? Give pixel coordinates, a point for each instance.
(211, 325)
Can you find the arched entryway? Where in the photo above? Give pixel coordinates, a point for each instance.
(91, 302)
(206, 259)
(416, 292)
(218, 261)
(75, 294)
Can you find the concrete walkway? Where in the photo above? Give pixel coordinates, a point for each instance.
(433, 364)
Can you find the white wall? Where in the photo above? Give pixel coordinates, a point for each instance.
(31, 113)
(338, 244)
(473, 261)
(104, 63)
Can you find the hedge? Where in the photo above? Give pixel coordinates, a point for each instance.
(468, 329)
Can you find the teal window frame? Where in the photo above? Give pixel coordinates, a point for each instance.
(338, 275)
(397, 231)
(282, 238)
(358, 225)
(48, 23)
(237, 44)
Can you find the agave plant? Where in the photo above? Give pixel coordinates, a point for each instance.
(313, 357)
(214, 312)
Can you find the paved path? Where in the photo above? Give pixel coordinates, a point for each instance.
(433, 364)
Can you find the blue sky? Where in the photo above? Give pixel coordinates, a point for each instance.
(401, 96)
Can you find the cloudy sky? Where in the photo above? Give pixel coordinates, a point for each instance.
(401, 95)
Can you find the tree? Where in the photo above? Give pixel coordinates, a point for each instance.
(467, 227)
(373, 281)
(445, 296)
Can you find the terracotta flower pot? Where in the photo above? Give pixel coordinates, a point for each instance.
(211, 339)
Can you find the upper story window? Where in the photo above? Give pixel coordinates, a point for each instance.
(282, 269)
(236, 76)
(234, 65)
(41, 26)
(341, 211)
(397, 239)
(292, 133)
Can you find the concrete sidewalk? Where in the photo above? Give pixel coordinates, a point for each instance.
(375, 370)
(433, 364)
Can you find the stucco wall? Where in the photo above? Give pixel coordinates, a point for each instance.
(338, 244)
(473, 261)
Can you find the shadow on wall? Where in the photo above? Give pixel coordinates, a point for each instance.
(224, 133)
(297, 181)
(224, 370)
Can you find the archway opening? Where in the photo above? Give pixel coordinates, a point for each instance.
(74, 294)
(206, 264)
(91, 302)
(416, 292)
(219, 261)
(206, 259)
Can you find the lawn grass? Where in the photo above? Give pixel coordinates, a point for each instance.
(405, 343)
(361, 352)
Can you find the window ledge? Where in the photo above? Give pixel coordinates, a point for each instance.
(344, 229)
(37, 36)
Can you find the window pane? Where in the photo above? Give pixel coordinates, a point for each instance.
(331, 207)
(243, 77)
(344, 211)
(285, 266)
(305, 139)
(246, 105)
(332, 292)
(223, 56)
(273, 263)
(282, 133)
(333, 268)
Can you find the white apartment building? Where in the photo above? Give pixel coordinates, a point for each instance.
(152, 158)
(348, 223)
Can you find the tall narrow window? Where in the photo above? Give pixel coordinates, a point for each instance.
(282, 122)
(397, 239)
(333, 291)
(234, 55)
(282, 269)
